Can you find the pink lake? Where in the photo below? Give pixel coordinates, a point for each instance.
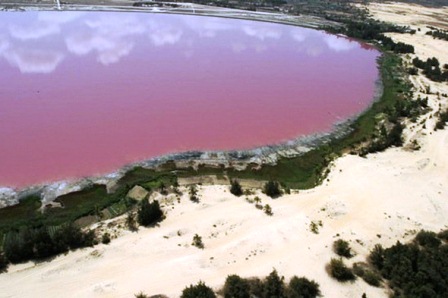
(84, 93)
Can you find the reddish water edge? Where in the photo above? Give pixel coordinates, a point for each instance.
(86, 93)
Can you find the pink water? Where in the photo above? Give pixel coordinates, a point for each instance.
(86, 93)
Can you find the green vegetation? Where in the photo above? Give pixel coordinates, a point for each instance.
(268, 210)
(198, 291)
(442, 120)
(437, 33)
(314, 226)
(43, 242)
(149, 213)
(272, 189)
(339, 271)
(342, 248)
(105, 239)
(369, 276)
(302, 288)
(236, 287)
(193, 192)
(416, 269)
(3, 263)
(272, 286)
(197, 241)
(141, 295)
(235, 188)
(431, 69)
(21, 214)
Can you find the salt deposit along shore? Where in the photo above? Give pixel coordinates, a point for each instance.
(382, 198)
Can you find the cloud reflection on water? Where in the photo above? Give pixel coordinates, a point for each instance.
(35, 46)
(33, 61)
(110, 37)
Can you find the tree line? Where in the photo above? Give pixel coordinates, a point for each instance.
(416, 269)
(431, 69)
(271, 286)
(31, 243)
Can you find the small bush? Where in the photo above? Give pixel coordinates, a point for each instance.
(268, 210)
(236, 287)
(371, 278)
(106, 238)
(338, 270)
(193, 192)
(141, 295)
(272, 189)
(197, 241)
(314, 226)
(149, 213)
(342, 248)
(198, 291)
(302, 288)
(235, 188)
(427, 239)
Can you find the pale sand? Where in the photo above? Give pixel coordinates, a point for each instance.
(390, 194)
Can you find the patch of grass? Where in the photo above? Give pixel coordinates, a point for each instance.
(27, 210)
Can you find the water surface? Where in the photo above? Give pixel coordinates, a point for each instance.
(84, 93)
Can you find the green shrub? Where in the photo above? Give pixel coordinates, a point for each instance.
(272, 189)
(338, 270)
(302, 288)
(371, 278)
(198, 291)
(235, 188)
(342, 248)
(427, 239)
(197, 241)
(256, 287)
(149, 213)
(268, 210)
(236, 287)
(106, 238)
(376, 257)
(193, 192)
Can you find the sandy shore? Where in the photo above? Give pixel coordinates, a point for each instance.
(379, 199)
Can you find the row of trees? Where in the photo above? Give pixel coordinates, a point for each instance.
(272, 286)
(43, 242)
(33, 243)
(440, 34)
(396, 47)
(431, 69)
(270, 188)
